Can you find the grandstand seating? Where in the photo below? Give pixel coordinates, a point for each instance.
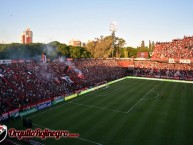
(30, 82)
(26, 83)
(164, 70)
(178, 48)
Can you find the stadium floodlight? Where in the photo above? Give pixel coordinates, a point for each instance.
(113, 26)
(113, 29)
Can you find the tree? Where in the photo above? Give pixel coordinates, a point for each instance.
(150, 45)
(78, 52)
(54, 44)
(132, 52)
(63, 50)
(102, 47)
(153, 45)
(121, 42)
(91, 47)
(34, 51)
(142, 44)
(126, 53)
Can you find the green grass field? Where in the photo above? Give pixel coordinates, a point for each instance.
(129, 112)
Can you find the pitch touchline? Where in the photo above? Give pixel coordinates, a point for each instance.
(97, 107)
(139, 100)
(77, 138)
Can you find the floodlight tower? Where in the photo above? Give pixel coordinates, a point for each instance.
(113, 29)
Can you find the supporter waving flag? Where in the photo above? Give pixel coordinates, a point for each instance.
(67, 79)
(79, 73)
(67, 68)
(44, 59)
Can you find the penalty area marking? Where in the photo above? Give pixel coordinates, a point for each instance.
(151, 98)
(52, 108)
(97, 107)
(111, 91)
(94, 93)
(80, 138)
(140, 100)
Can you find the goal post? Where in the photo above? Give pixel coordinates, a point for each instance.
(103, 84)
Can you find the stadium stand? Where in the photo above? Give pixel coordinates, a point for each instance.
(169, 60)
(178, 48)
(30, 82)
(164, 70)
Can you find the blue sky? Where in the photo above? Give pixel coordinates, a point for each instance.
(63, 20)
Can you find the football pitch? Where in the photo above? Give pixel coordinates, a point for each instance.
(129, 112)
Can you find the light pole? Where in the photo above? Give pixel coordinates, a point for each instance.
(113, 29)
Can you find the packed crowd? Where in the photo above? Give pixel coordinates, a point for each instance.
(105, 70)
(26, 83)
(164, 70)
(30, 82)
(178, 48)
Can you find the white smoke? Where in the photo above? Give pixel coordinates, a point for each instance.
(76, 70)
(62, 58)
(50, 51)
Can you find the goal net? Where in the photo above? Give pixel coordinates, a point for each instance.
(103, 84)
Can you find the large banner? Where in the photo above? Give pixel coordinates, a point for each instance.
(14, 113)
(173, 60)
(29, 111)
(57, 100)
(6, 61)
(70, 97)
(43, 105)
(143, 55)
